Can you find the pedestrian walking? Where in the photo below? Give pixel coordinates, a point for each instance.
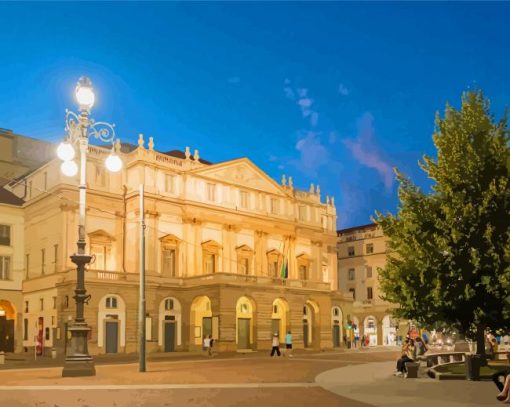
(288, 344)
(211, 342)
(276, 345)
(206, 345)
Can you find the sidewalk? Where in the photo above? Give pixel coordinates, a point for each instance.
(374, 383)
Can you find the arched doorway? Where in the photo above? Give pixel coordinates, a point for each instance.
(279, 318)
(310, 311)
(170, 320)
(245, 309)
(7, 324)
(336, 326)
(111, 323)
(201, 319)
(389, 331)
(370, 329)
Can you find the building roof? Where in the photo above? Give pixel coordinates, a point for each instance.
(180, 154)
(355, 228)
(7, 197)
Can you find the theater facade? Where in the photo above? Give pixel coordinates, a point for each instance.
(229, 252)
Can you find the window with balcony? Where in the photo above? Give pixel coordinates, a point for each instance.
(274, 259)
(350, 251)
(351, 274)
(5, 268)
(369, 248)
(169, 255)
(5, 235)
(244, 258)
(210, 255)
(303, 263)
(99, 252)
(370, 293)
(353, 291)
(303, 272)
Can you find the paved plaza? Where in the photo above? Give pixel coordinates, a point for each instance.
(347, 379)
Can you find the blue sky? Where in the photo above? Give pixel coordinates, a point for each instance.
(335, 94)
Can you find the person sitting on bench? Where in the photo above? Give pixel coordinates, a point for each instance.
(407, 356)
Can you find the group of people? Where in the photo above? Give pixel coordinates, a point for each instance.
(411, 350)
(276, 345)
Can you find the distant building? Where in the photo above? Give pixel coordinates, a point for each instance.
(216, 239)
(12, 265)
(20, 154)
(361, 250)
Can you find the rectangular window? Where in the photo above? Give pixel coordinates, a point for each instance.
(303, 272)
(273, 269)
(55, 257)
(26, 306)
(54, 302)
(41, 303)
(350, 251)
(369, 248)
(53, 321)
(99, 252)
(353, 291)
(302, 213)
(351, 274)
(243, 199)
(169, 183)
(27, 266)
(5, 267)
(25, 329)
(369, 271)
(100, 176)
(369, 293)
(66, 302)
(211, 192)
(43, 261)
(5, 235)
(45, 180)
(169, 261)
(244, 266)
(210, 263)
(274, 206)
(47, 334)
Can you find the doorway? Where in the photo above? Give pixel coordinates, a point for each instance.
(336, 335)
(169, 330)
(207, 326)
(112, 335)
(6, 334)
(243, 333)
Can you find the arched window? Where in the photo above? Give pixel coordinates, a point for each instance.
(169, 304)
(111, 302)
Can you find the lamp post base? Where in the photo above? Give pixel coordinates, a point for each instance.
(78, 362)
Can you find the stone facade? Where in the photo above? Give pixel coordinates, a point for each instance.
(361, 251)
(216, 238)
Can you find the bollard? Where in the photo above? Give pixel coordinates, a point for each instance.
(2, 358)
(53, 353)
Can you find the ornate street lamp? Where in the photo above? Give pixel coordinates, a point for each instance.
(78, 129)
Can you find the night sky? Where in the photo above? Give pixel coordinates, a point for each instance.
(331, 93)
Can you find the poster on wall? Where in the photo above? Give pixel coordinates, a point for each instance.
(39, 344)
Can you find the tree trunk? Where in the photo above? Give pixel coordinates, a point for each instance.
(480, 344)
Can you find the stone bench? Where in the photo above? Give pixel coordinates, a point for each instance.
(412, 370)
(442, 358)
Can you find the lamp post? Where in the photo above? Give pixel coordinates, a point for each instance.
(78, 129)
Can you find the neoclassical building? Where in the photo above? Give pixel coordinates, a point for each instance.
(216, 238)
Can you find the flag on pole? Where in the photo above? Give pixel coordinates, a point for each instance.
(284, 272)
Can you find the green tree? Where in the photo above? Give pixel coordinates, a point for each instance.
(448, 257)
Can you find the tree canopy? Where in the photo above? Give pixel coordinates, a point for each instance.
(448, 259)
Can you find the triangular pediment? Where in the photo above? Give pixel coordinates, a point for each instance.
(244, 173)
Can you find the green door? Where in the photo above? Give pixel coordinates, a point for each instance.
(112, 336)
(305, 334)
(336, 335)
(243, 333)
(169, 336)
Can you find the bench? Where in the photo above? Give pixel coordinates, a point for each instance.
(434, 359)
(412, 370)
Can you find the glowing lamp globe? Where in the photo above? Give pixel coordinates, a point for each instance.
(113, 163)
(69, 168)
(65, 151)
(84, 93)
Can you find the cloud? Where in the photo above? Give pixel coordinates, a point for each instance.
(313, 154)
(305, 103)
(234, 80)
(365, 151)
(342, 89)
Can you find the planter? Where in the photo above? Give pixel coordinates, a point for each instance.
(473, 364)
